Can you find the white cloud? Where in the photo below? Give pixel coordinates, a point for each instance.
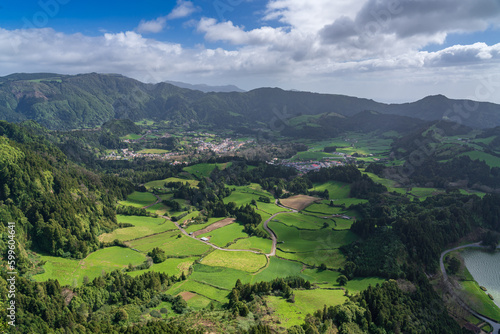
(320, 45)
(181, 10)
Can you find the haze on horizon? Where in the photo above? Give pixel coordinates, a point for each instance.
(387, 50)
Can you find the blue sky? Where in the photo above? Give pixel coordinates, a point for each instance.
(387, 50)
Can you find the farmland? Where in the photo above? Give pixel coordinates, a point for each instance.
(306, 240)
(142, 226)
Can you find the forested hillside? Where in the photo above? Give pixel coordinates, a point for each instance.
(59, 206)
(89, 100)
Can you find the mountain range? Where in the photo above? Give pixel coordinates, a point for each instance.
(64, 102)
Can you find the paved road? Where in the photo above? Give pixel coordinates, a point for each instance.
(493, 324)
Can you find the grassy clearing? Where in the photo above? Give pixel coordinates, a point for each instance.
(298, 202)
(332, 258)
(201, 289)
(278, 268)
(143, 226)
(306, 302)
(171, 266)
(253, 243)
(336, 189)
(310, 155)
(204, 170)
(221, 277)
(153, 151)
(139, 199)
(244, 261)
(197, 227)
(305, 240)
(69, 271)
(301, 221)
(161, 183)
(490, 160)
(224, 235)
(171, 243)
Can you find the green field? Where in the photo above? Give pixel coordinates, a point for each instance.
(221, 277)
(161, 183)
(171, 244)
(310, 155)
(143, 226)
(152, 151)
(301, 221)
(490, 160)
(306, 302)
(224, 235)
(172, 266)
(69, 271)
(139, 199)
(244, 261)
(305, 241)
(332, 258)
(253, 243)
(204, 170)
(336, 190)
(199, 288)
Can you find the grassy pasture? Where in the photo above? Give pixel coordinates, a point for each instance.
(171, 244)
(224, 235)
(69, 271)
(301, 221)
(253, 243)
(244, 261)
(139, 199)
(306, 302)
(304, 241)
(171, 266)
(153, 151)
(490, 160)
(332, 258)
(278, 268)
(298, 202)
(160, 183)
(336, 189)
(143, 226)
(222, 277)
(204, 170)
(201, 289)
(310, 155)
(197, 227)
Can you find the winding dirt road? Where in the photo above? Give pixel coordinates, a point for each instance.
(495, 325)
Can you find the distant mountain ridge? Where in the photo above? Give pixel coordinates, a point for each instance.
(207, 88)
(65, 102)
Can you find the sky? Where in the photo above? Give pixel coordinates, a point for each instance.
(387, 50)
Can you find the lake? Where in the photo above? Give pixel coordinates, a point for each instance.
(485, 268)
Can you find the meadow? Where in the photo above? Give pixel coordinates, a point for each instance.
(143, 226)
(139, 199)
(173, 243)
(72, 272)
(244, 261)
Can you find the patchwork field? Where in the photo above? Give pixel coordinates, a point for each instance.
(139, 199)
(143, 226)
(225, 235)
(161, 183)
(244, 261)
(298, 202)
(173, 243)
(306, 302)
(171, 266)
(204, 170)
(214, 226)
(253, 243)
(72, 272)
